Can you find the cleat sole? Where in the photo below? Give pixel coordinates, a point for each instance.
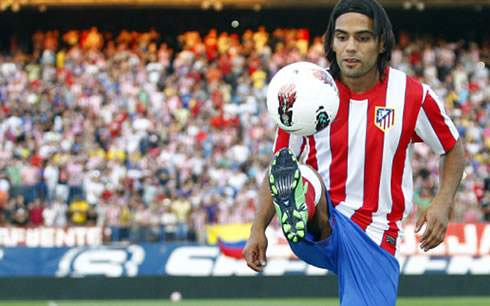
(287, 190)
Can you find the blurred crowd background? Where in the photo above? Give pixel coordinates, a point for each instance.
(154, 141)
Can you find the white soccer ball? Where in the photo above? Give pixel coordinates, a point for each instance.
(302, 98)
(176, 296)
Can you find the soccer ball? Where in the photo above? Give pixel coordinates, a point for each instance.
(175, 296)
(302, 98)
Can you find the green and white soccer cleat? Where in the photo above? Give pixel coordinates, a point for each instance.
(288, 194)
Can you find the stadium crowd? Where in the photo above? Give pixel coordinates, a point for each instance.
(154, 142)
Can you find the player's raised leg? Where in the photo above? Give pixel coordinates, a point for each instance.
(300, 202)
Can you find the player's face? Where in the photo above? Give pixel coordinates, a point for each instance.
(355, 46)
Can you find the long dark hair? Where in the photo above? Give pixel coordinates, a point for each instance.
(382, 31)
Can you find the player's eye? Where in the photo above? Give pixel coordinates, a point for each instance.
(340, 37)
(364, 37)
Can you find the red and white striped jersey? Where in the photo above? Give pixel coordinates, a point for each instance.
(365, 155)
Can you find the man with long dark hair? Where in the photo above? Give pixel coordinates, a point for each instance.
(358, 169)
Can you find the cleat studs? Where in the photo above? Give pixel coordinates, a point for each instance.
(295, 239)
(296, 174)
(294, 184)
(301, 234)
(300, 225)
(274, 162)
(284, 218)
(286, 228)
(297, 214)
(290, 236)
(274, 190)
(271, 179)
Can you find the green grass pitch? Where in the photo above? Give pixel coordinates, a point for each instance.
(436, 301)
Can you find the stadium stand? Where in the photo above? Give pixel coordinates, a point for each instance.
(156, 141)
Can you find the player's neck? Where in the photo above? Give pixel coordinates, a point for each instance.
(363, 83)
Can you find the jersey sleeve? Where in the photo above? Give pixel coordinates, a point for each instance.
(434, 127)
(286, 140)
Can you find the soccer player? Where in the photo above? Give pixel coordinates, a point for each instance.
(343, 208)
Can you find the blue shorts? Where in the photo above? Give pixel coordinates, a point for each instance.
(368, 274)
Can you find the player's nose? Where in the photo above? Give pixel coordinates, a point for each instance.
(351, 45)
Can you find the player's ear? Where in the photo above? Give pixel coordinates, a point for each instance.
(382, 48)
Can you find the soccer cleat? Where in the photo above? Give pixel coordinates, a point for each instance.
(288, 194)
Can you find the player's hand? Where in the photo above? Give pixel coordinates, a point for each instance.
(254, 251)
(436, 218)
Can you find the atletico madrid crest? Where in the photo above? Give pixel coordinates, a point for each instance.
(384, 117)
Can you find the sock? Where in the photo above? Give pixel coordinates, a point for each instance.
(314, 191)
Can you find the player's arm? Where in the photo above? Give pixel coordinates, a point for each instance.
(254, 251)
(436, 215)
(437, 130)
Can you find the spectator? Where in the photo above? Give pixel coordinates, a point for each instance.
(74, 171)
(50, 176)
(485, 200)
(124, 221)
(169, 222)
(113, 119)
(20, 214)
(181, 207)
(30, 178)
(4, 189)
(112, 218)
(140, 222)
(36, 212)
(78, 211)
(55, 214)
